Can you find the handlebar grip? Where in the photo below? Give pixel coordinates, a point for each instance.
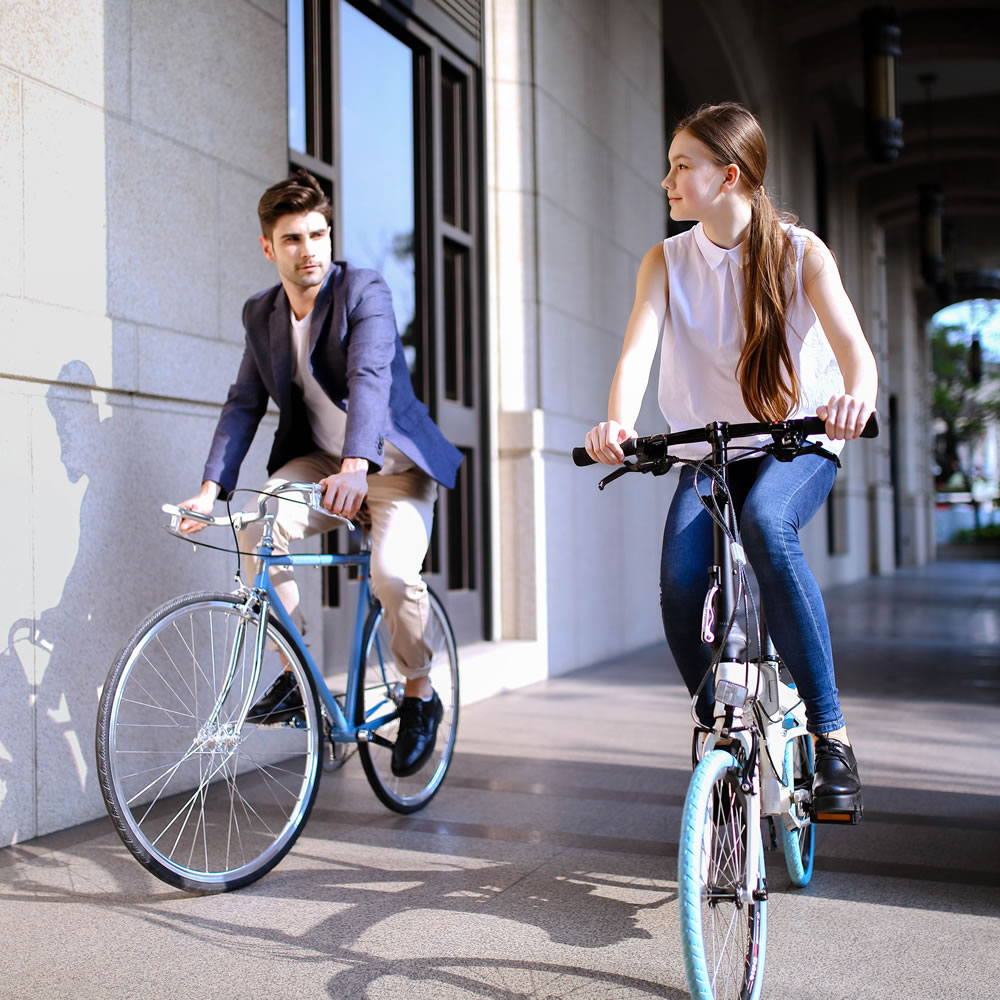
(814, 425)
(582, 459)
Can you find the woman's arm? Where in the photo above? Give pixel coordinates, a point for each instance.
(628, 386)
(845, 415)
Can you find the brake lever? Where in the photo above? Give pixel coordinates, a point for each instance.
(657, 466)
(617, 474)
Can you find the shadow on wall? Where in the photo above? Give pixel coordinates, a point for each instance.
(54, 664)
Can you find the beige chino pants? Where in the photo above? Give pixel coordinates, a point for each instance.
(402, 511)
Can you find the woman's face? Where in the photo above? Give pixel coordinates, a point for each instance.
(695, 182)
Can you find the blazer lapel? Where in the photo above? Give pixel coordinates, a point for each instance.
(280, 335)
(321, 307)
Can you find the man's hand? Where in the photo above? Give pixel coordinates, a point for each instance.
(201, 504)
(845, 417)
(344, 492)
(603, 442)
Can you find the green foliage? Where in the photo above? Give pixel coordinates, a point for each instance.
(987, 533)
(964, 407)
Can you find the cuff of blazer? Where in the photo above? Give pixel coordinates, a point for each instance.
(372, 451)
(212, 474)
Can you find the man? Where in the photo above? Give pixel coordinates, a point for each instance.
(323, 345)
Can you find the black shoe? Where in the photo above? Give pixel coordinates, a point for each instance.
(418, 726)
(836, 784)
(281, 702)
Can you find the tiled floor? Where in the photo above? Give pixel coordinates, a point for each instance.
(546, 866)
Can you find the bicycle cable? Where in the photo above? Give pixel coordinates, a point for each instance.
(744, 593)
(235, 550)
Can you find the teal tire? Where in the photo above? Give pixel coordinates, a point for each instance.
(723, 933)
(799, 844)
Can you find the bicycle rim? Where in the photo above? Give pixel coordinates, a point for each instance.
(723, 931)
(379, 699)
(202, 804)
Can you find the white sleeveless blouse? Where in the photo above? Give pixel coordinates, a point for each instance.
(704, 332)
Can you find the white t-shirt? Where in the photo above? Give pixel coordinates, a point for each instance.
(328, 421)
(704, 332)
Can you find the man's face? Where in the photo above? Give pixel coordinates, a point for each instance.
(300, 248)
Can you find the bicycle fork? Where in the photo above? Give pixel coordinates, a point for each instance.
(212, 737)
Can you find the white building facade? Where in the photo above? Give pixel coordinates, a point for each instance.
(135, 139)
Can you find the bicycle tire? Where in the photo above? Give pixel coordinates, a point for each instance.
(209, 809)
(381, 693)
(722, 938)
(800, 844)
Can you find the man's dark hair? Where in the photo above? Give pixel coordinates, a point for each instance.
(299, 192)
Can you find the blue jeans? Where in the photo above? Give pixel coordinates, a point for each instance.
(772, 501)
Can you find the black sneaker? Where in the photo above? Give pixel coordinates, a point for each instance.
(418, 726)
(836, 783)
(281, 702)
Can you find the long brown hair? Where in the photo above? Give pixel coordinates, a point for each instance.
(765, 371)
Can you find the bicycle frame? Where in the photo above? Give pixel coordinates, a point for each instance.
(263, 593)
(774, 699)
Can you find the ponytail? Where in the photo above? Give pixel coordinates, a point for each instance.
(765, 371)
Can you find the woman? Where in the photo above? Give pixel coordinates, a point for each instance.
(756, 326)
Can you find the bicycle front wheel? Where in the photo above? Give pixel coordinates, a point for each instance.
(202, 802)
(381, 695)
(723, 921)
(799, 844)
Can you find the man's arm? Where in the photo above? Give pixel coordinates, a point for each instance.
(241, 414)
(371, 346)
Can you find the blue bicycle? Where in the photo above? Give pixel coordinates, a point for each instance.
(208, 792)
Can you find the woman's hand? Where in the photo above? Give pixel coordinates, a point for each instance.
(845, 417)
(603, 442)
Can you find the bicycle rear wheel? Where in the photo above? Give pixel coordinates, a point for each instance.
(381, 695)
(799, 844)
(202, 803)
(723, 928)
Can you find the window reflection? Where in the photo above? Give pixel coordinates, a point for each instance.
(296, 76)
(377, 168)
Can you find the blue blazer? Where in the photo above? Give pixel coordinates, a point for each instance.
(357, 358)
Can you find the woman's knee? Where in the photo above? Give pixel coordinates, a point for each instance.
(767, 534)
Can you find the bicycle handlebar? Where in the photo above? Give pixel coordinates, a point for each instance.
(799, 427)
(242, 518)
